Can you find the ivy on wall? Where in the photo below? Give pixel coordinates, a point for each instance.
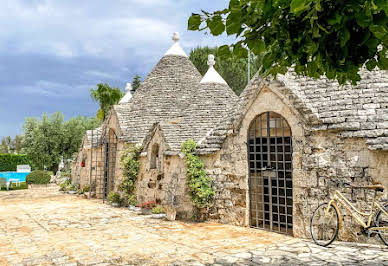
(130, 165)
(202, 194)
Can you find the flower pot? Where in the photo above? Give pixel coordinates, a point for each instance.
(158, 216)
(115, 204)
(145, 211)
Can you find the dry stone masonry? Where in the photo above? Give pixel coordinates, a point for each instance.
(336, 135)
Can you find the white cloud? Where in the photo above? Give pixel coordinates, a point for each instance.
(51, 27)
(51, 89)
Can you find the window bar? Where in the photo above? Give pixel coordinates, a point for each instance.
(277, 174)
(269, 176)
(284, 176)
(255, 174)
(261, 169)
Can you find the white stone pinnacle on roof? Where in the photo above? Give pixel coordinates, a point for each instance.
(176, 48)
(212, 75)
(128, 94)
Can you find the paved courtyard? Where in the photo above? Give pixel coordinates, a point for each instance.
(41, 226)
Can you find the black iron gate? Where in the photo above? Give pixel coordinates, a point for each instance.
(110, 150)
(270, 173)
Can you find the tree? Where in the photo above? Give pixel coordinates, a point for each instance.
(233, 70)
(49, 138)
(18, 143)
(332, 38)
(9, 145)
(106, 97)
(136, 83)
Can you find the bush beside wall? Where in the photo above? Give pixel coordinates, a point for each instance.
(9, 162)
(38, 177)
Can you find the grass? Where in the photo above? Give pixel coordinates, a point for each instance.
(23, 185)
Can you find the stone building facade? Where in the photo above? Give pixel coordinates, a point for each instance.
(274, 153)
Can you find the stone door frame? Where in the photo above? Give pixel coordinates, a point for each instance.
(270, 173)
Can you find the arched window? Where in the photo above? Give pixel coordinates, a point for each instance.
(154, 156)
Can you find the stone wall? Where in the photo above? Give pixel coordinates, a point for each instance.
(321, 161)
(165, 182)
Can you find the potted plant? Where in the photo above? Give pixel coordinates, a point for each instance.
(146, 208)
(158, 212)
(132, 203)
(114, 199)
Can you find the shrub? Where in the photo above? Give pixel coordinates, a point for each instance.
(38, 177)
(86, 189)
(199, 183)
(130, 165)
(157, 210)
(114, 197)
(148, 205)
(132, 200)
(63, 186)
(9, 162)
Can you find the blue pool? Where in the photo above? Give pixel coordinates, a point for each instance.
(14, 175)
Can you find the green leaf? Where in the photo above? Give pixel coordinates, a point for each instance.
(224, 51)
(234, 4)
(298, 6)
(240, 51)
(382, 4)
(379, 31)
(364, 19)
(335, 20)
(233, 23)
(371, 64)
(344, 37)
(256, 46)
(194, 22)
(216, 25)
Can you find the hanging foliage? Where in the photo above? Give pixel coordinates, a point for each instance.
(199, 183)
(330, 37)
(130, 164)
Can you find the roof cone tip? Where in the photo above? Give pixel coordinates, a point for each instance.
(211, 60)
(176, 49)
(128, 94)
(176, 37)
(212, 75)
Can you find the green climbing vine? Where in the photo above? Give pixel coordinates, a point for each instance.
(202, 193)
(130, 164)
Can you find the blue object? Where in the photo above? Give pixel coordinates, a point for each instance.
(14, 175)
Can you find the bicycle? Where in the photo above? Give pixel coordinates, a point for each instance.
(327, 218)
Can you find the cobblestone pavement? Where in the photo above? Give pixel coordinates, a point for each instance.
(44, 227)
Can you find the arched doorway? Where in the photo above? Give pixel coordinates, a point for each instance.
(110, 162)
(270, 173)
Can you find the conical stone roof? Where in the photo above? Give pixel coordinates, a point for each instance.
(164, 95)
(173, 96)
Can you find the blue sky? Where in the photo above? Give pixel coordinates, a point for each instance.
(53, 51)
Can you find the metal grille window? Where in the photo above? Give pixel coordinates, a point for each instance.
(110, 163)
(270, 173)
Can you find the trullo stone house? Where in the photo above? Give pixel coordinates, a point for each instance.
(274, 153)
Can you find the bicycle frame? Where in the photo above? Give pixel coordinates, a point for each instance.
(357, 214)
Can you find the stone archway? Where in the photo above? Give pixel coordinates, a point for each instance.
(270, 173)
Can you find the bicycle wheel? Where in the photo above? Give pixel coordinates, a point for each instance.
(382, 220)
(324, 225)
